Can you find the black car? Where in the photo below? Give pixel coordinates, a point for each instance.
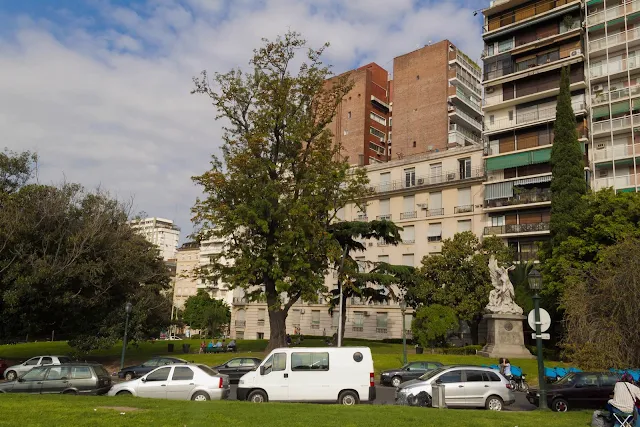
(410, 371)
(578, 390)
(70, 378)
(237, 367)
(132, 372)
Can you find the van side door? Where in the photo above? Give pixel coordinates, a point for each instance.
(309, 380)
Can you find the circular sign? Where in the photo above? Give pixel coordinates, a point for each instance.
(508, 326)
(545, 320)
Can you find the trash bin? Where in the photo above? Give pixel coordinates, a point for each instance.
(437, 398)
(170, 348)
(419, 350)
(186, 348)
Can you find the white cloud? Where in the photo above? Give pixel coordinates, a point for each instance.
(112, 107)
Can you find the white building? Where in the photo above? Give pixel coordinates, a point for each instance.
(161, 232)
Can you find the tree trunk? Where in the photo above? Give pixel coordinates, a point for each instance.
(278, 334)
(344, 314)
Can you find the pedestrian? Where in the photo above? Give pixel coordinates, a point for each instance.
(202, 347)
(288, 340)
(232, 345)
(507, 368)
(625, 396)
(501, 365)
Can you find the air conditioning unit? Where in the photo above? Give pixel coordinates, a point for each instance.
(423, 206)
(489, 89)
(598, 88)
(576, 52)
(420, 181)
(600, 146)
(451, 177)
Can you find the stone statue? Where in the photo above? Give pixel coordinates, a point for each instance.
(501, 298)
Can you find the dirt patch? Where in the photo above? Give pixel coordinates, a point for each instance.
(120, 408)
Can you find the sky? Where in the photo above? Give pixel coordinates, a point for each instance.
(100, 89)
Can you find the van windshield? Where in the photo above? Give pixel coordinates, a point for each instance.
(432, 374)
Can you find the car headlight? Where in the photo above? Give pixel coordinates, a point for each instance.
(537, 394)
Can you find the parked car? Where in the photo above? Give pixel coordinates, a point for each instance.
(13, 372)
(236, 368)
(578, 390)
(131, 372)
(182, 382)
(465, 386)
(410, 371)
(303, 374)
(70, 378)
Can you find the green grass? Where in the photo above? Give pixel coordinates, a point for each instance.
(385, 356)
(58, 410)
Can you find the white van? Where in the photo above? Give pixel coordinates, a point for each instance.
(324, 374)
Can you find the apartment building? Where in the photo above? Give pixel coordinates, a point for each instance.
(436, 100)
(217, 289)
(185, 284)
(161, 232)
(432, 196)
(526, 45)
(361, 124)
(613, 49)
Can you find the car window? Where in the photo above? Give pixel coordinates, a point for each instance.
(64, 359)
(432, 374)
(451, 377)
(309, 361)
(81, 372)
(36, 374)
(159, 374)
(490, 376)
(474, 376)
(248, 363)
(100, 371)
(414, 366)
(182, 373)
(432, 366)
(151, 362)
(276, 362)
(568, 379)
(608, 380)
(588, 380)
(234, 363)
(208, 370)
(33, 361)
(58, 373)
(162, 362)
(46, 361)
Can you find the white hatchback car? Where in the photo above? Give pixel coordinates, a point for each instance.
(13, 372)
(181, 382)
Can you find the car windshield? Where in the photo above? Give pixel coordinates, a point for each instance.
(568, 379)
(208, 370)
(432, 374)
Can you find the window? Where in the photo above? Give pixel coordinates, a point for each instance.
(588, 380)
(383, 258)
(349, 115)
(407, 259)
(608, 380)
(465, 168)
(261, 314)
(435, 232)
(249, 363)
(415, 366)
(409, 204)
(390, 123)
(81, 372)
(464, 225)
(375, 147)
(315, 317)
(381, 320)
(451, 377)
(362, 263)
(464, 197)
(46, 361)
(64, 359)
(474, 376)
(358, 319)
(377, 133)
(510, 115)
(410, 177)
(385, 209)
(277, 362)
(58, 373)
(409, 234)
(182, 373)
(36, 374)
(161, 374)
(32, 362)
(260, 335)
(414, 144)
(377, 118)
(435, 200)
(436, 171)
(505, 45)
(334, 319)
(491, 376)
(235, 363)
(309, 361)
(385, 181)
(497, 221)
(491, 119)
(152, 362)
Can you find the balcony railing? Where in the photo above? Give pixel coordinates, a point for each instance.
(614, 95)
(473, 87)
(614, 39)
(529, 117)
(384, 217)
(548, 59)
(616, 152)
(475, 105)
(612, 13)
(524, 198)
(408, 215)
(517, 228)
(463, 209)
(468, 118)
(423, 181)
(381, 330)
(240, 323)
(617, 182)
(240, 300)
(614, 124)
(522, 13)
(435, 212)
(357, 329)
(474, 68)
(463, 133)
(362, 218)
(408, 241)
(613, 67)
(433, 239)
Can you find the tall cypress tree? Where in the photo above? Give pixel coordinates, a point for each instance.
(568, 184)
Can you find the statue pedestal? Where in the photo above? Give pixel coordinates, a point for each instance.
(505, 337)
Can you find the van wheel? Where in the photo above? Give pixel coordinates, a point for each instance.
(396, 381)
(348, 398)
(494, 403)
(257, 396)
(11, 376)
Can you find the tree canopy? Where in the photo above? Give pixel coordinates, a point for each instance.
(207, 314)
(432, 324)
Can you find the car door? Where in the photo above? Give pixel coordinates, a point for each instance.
(586, 391)
(154, 384)
(605, 390)
(31, 382)
(82, 378)
(57, 380)
(475, 387)
(181, 383)
(454, 394)
(275, 378)
(414, 370)
(46, 360)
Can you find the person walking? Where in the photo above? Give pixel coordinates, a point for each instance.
(202, 347)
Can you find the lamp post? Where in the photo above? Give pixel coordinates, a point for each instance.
(403, 309)
(127, 309)
(535, 283)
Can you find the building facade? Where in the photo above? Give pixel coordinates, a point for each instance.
(161, 232)
(526, 45)
(187, 262)
(436, 100)
(613, 50)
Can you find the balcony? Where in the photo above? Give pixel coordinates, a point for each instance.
(618, 123)
(408, 241)
(615, 95)
(363, 218)
(540, 227)
(548, 60)
(457, 113)
(472, 67)
(617, 182)
(409, 215)
(614, 39)
(523, 13)
(612, 13)
(386, 217)
(461, 136)
(468, 101)
(357, 329)
(435, 212)
(466, 83)
(429, 180)
(434, 239)
(614, 67)
(240, 323)
(543, 114)
(381, 331)
(538, 195)
(240, 301)
(463, 209)
(617, 152)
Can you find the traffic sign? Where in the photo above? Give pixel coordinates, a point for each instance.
(543, 336)
(545, 320)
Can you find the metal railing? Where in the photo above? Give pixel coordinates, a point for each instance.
(362, 218)
(463, 209)
(386, 217)
(616, 152)
(537, 195)
(529, 117)
(473, 87)
(475, 105)
(435, 212)
(613, 67)
(427, 180)
(517, 228)
(468, 118)
(614, 39)
(381, 330)
(612, 13)
(523, 13)
(464, 132)
(530, 64)
(614, 95)
(408, 215)
(614, 124)
(240, 300)
(474, 68)
(433, 239)
(617, 182)
(408, 241)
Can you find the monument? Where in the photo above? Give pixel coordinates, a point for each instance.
(505, 337)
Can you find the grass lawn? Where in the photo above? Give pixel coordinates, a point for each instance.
(59, 410)
(385, 356)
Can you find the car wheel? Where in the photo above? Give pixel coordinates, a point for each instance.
(11, 376)
(513, 384)
(396, 381)
(348, 398)
(69, 392)
(257, 396)
(129, 376)
(124, 393)
(494, 403)
(560, 405)
(201, 396)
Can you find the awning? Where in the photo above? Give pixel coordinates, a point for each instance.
(615, 21)
(592, 2)
(599, 112)
(596, 27)
(535, 180)
(540, 156)
(501, 190)
(619, 108)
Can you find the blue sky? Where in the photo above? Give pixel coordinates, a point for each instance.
(100, 88)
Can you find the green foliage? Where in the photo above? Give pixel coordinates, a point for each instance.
(520, 280)
(281, 181)
(568, 184)
(432, 324)
(207, 314)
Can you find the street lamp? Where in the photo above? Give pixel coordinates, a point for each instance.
(535, 283)
(127, 309)
(403, 309)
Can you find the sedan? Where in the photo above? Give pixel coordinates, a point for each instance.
(578, 390)
(131, 372)
(236, 368)
(410, 371)
(180, 382)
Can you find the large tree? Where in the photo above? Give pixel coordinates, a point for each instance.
(206, 313)
(274, 195)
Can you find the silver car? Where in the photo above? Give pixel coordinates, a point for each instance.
(465, 386)
(15, 371)
(181, 382)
